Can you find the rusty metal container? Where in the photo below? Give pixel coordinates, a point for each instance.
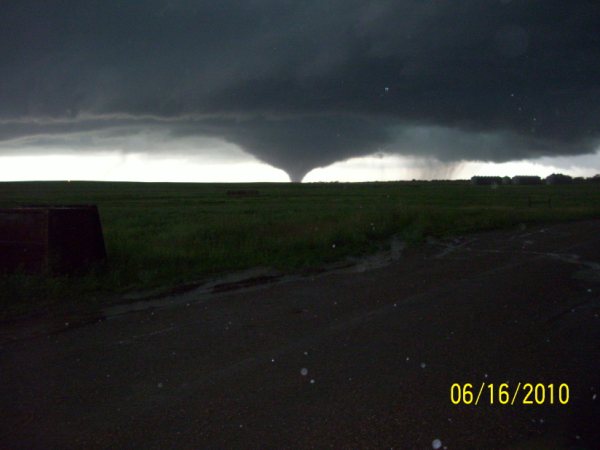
(50, 239)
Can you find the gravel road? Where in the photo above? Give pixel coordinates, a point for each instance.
(360, 357)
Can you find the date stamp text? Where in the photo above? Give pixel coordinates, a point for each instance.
(506, 394)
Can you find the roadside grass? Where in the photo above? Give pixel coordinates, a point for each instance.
(166, 234)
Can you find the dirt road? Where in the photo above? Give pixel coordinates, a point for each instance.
(356, 358)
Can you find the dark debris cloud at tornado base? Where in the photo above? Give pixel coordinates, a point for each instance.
(304, 84)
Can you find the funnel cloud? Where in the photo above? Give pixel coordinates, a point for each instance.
(304, 84)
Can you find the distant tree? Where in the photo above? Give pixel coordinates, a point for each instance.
(485, 181)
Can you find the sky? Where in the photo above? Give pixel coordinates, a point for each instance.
(312, 90)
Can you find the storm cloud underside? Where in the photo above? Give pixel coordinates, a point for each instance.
(304, 84)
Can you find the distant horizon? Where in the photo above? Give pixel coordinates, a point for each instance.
(116, 166)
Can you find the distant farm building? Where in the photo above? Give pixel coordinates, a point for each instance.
(558, 178)
(486, 181)
(526, 179)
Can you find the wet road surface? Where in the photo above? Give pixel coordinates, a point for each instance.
(362, 357)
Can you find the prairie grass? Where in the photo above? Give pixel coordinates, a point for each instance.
(166, 234)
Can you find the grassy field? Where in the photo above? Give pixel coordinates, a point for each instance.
(165, 234)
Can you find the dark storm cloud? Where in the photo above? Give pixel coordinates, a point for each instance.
(306, 83)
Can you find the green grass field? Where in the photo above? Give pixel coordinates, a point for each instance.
(166, 234)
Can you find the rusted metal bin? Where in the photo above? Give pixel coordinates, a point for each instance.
(50, 239)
